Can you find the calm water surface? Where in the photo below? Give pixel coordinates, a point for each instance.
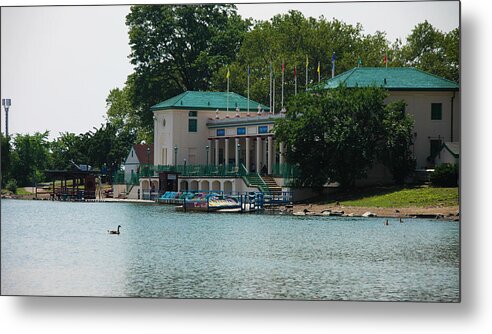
(64, 249)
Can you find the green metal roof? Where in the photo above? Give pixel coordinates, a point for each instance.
(391, 78)
(208, 101)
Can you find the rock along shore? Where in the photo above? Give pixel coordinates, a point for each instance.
(446, 213)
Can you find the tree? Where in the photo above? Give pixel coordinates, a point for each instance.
(30, 157)
(69, 147)
(289, 38)
(337, 135)
(396, 154)
(431, 50)
(108, 146)
(177, 48)
(124, 116)
(6, 159)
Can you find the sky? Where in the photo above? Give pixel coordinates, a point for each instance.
(58, 63)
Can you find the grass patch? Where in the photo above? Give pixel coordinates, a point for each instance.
(399, 197)
(21, 191)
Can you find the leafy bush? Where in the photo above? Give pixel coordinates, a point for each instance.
(12, 186)
(445, 175)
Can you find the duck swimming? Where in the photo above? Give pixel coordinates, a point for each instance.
(115, 232)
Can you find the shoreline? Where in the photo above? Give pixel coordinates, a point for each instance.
(443, 212)
(451, 213)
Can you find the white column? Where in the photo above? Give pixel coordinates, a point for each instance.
(258, 154)
(236, 142)
(216, 152)
(270, 154)
(248, 157)
(226, 151)
(264, 151)
(282, 152)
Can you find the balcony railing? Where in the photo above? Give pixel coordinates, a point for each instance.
(285, 171)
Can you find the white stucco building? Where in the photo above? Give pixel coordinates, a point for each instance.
(214, 139)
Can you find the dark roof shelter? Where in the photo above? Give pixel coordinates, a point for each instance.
(82, 186)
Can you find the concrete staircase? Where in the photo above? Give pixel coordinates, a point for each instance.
(255, 180)
(271, 184)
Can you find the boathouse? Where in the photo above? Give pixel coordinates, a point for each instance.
(433, 102)
(225, 142)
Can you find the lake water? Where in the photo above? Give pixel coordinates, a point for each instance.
(64, 249)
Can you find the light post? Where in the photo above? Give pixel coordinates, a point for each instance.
(184, 168)
(238, 154)
(148, 171)
(6, 103)
(175, 155)
(207, 148)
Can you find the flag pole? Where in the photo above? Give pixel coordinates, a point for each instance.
(333, 65)
(307, 64)
(273, 101)
(248, 89)
(270, 87)
(295, 80)
(228, 75)
(283, 70)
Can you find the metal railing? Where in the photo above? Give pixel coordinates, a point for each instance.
(191, 170)
(253, 179)
(285, 171)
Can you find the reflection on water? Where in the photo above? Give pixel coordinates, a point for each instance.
(55, 248)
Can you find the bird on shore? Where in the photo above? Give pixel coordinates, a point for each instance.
(115, 232)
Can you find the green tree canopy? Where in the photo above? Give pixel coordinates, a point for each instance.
(5, 158)
(30, 156)
(108, 146)
(177, 48)
(338, 135)
(430, 50)
(121, 114)
(66, 148)
(289, 38)
(398, 138)
(191, 47)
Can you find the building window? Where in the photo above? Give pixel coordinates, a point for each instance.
(241, 131)
(192, 121)
(436, 111)
(192, 125)
(220, 132)
(263, 129)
